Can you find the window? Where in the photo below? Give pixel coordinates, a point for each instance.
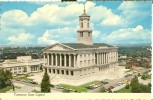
(81, 34)
(89, 34)
(88, 62)
(57, 71)
(80, 63)
(88, 24)
(53, 70)
(49, 70)
(19, 68)
(62, 71)
(71, 73)
(81, 24)
(80, 56)
(15, 68)
(67, 72)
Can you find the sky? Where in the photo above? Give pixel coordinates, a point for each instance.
(46, 23)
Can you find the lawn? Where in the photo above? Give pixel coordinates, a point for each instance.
(148, 76)
(81, 88)
(124, 90)
(3, 90)
(24, 78)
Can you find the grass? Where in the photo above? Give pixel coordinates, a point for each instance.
(35, 91)
(148, 77)
(129, 70)
(7, 88)
(81, 88)
(24, 78)
(124, 90)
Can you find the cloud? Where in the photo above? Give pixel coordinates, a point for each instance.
(52, 22)
(14, 18)
(46, 39)
(129, 35)
(52, 36)
(21, 38)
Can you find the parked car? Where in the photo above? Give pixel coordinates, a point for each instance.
(51, 85)
(111, 87)
(105, 82)
(90, 87)
(34, 83)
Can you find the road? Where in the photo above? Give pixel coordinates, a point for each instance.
(28, 87)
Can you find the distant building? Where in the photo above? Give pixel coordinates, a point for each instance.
(23, 65)
(123, 57)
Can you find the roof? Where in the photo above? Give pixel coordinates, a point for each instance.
(81, 45)
(85, 15)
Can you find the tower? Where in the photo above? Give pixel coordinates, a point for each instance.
(85, 33)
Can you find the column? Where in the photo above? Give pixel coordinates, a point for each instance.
(97, 59)
(47, 59)
(52, 59)
(60, 59)
(100, 58)
(104, 58)
(44, 56)
(74, 60)
(117, 56)
(64, 60)
(56, 59)
(108, 57)
(69, 60)
(78, 61)
(94, 59)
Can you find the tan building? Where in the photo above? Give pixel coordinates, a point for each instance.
(80, 60)
(23, 65)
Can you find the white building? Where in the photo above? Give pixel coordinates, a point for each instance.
(82, 59)
(23, 65)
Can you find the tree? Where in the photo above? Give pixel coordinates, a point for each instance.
(143, 77)
(2, 78)
(8, 77)
(5, 78)
(45, 84)
(127, 86)
(134, 81)
(103, 89)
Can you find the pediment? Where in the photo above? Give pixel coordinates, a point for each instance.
(59, 47)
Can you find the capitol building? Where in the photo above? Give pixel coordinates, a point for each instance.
(73, 61)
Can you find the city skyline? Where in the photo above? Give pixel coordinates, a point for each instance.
(49, 23)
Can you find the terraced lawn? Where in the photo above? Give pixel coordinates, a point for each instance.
(124, 90)
(3, 90)
(81, 88)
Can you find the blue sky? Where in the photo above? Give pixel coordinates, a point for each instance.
(35, 23)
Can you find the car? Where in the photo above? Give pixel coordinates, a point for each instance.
(105, 82)
(60, 87)
(89, 87)
(110, 87)
(34, 83)
(51, 85)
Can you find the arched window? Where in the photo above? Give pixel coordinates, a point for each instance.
(82, 25)
(81, 34)
(89, 34)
